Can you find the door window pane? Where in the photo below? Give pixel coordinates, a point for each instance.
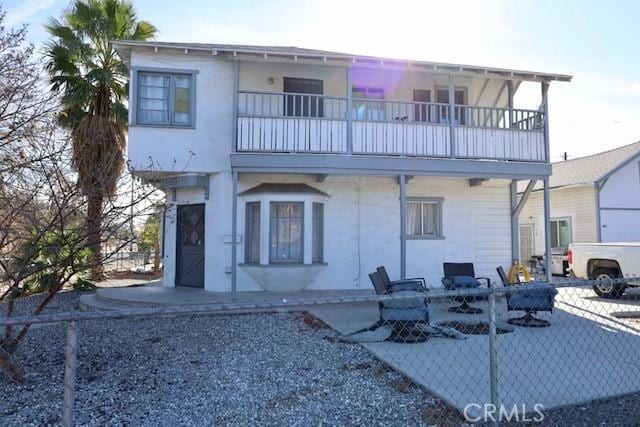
(286, 232)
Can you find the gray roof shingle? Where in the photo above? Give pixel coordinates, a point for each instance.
(589, 169)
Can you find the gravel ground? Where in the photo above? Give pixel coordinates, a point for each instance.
(266, 369)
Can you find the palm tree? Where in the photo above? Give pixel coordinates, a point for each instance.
(85, 69)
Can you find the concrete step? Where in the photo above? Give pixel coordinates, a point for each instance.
(91, 302)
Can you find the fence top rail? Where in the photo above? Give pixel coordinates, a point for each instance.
(228, 308)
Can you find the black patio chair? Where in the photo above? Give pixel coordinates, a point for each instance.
(409, 283)
(404, 316)
(461, 275)
(540, 297)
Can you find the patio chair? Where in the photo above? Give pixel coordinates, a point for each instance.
(410, 283)
(403, 315)
(461, 275)
(540, 297)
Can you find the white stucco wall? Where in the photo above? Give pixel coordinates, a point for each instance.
(620, 205)
(362, 229)
(204, 148)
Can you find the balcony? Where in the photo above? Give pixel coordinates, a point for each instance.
(276, 122)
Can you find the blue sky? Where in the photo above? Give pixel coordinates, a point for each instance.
(597, 42)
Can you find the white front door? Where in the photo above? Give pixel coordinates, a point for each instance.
(526, 243)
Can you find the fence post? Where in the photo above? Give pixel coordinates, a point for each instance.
(493, 350)
(70, 365)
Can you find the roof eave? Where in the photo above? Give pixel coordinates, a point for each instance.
(353, 59)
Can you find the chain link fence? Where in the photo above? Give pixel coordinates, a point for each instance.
(556, 354)
(127, 261)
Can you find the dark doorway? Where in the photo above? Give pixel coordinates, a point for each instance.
(190, 246)
(301, 105)
(422, 111)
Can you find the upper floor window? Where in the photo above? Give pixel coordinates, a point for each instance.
(459, 98)
(366, 105)
(165, 99)
(300, 105)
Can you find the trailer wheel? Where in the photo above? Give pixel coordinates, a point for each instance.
(607, 290)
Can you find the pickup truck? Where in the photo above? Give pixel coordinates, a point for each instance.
(605, 261)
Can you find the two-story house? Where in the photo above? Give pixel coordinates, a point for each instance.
(289, 168)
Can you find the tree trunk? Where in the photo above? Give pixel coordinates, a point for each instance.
(156, 256)
(94, 236)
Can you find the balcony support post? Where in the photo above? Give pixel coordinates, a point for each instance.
(234, 113)
(515, 237)
(349, 111)
(547, 230)
(545, 121)
(403, 227)
(452, 113)
(510, 93)
(234, 233)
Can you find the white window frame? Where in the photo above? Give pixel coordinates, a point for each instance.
(557, 219)
(439, 202)
(172, 73)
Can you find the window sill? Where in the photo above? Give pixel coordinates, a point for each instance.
(283, 265)
(160, 125)
(425, 237)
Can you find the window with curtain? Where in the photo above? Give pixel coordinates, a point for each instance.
(317, 252)
(252, 233)
(442, 97)
(365, 106)
(424, 218)
(164, 99)
(286, 232)
(560, 232)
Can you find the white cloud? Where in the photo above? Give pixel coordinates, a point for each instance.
(21, 13)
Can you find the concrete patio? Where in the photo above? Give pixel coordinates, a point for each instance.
(585, 354)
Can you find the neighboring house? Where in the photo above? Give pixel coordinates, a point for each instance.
(593, 199)
(326, 165)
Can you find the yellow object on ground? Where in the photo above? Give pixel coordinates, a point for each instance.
(518, 271)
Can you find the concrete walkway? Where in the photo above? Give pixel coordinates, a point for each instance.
(156, 295)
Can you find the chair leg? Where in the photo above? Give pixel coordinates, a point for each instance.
(465, 308)
(529, 321)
